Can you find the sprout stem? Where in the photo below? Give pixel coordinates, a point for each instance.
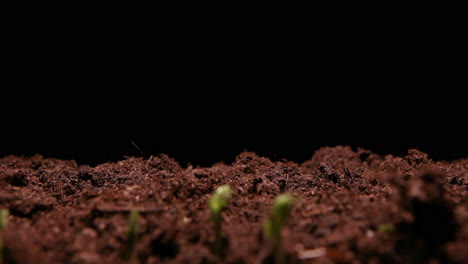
(272, 227)
(131, 235)
(3, 223)
(217, 205)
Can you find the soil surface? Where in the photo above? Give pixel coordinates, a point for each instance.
(351, 207)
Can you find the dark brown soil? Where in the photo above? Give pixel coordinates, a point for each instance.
(353, 206)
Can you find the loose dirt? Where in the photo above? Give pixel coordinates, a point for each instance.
(352, 207)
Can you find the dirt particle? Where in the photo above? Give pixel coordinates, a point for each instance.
(416, 157)
(329, 172)
(459, 180)
(163, 162)
(200, 174)
(254, 185)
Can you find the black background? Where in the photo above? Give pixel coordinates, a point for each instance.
(203, 96)
(210, 121)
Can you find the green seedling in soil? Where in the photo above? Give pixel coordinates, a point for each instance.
(3, 223)
(386, 228)
(217, 205)
(3, 218)
(272, 227)
(131, 235)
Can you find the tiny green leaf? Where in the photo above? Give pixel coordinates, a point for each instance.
(282, 207)
(219, 200)
(3, 218)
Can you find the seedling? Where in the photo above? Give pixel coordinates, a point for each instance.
(217, 204)
(3, 223)
(272, 227)
(131, 235)
(386, 228)
(3, 218)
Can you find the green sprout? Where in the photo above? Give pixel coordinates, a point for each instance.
(217, 205)
(272, 227)
(3, 223)
(131, 235)
(386, 228)
(3, 218)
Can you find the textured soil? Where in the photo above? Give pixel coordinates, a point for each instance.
(352, 207)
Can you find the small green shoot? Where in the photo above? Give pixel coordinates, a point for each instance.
(3, 223)
(272, 227)
(386, 228)
(3, 218)
(217, 205)
(131, 235)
